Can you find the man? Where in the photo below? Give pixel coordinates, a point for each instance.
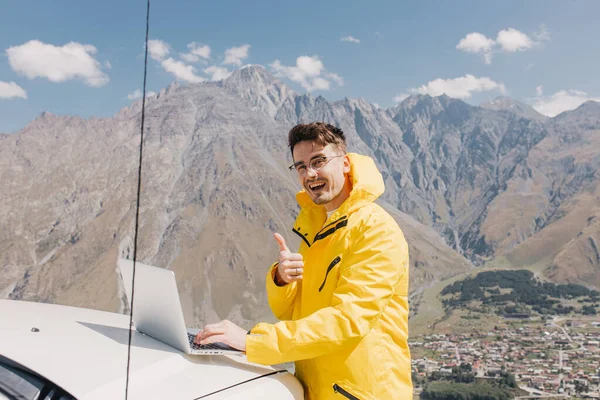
(342, 299)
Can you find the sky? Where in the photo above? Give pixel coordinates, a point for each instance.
(84, 58)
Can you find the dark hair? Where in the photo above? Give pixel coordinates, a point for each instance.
(319, 132)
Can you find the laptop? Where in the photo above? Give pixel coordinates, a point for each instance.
(157, 309)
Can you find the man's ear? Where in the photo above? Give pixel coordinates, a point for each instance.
(346, 164)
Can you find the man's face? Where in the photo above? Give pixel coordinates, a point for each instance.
(325, 186)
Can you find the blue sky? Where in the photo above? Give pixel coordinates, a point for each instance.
(544, 53)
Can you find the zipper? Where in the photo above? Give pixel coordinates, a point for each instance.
(338, 389)
(340, 223)
(334, 222)
(302, 236)
(329, 268)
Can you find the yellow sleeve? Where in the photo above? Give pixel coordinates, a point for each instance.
(281, 298)
(375, 266)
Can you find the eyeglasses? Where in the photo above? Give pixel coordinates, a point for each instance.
(316, 164)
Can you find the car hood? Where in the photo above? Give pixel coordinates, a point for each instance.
(85, 352)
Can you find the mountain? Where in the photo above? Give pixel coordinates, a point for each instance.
(564, 169)
(506, 104)
(214, 188)
(467, 185)
(462, 158)
(258, 88)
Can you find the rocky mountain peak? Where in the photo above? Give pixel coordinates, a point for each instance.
(251, 75)
(44, 119)
(424, 101)
(256, 85)
(591, 104)
(579, 125)
(589, 109)
(505, 103)
(424, 106)
(45, 116)
(359, 103)
(173, 86)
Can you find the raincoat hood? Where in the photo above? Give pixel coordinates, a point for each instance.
(367, 185)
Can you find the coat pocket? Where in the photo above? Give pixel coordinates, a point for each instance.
(338, 389)
(329, 268)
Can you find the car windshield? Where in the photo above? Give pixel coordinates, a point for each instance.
(16, 383)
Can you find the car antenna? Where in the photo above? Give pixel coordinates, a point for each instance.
(137, 205)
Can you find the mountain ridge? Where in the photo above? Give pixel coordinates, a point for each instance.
(462, 181)
(215, 186)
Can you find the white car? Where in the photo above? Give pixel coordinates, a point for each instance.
(52, 352)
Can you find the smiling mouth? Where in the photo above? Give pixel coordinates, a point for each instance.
(316, 186)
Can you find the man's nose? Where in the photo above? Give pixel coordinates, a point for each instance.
(310, 172)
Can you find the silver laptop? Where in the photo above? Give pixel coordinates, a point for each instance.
(157, 309)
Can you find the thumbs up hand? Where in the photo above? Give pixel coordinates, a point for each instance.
(291, 266)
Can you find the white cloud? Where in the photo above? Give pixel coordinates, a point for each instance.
(181, 70)
(477, 43)
(529, 66)
(35, 59)
(197, 52)
(512, 40)
(310, 66)
(235, 55)
(350, 39)
(137, 94)
(539, 91)
(319, 83)
(217, 73)
(542, 35)
(508, 40)
(335, 77)
(460, 88)
(8, 90)
(309, 72)
(563, 100)
(191, 58)
(158, 49)
(400, 97)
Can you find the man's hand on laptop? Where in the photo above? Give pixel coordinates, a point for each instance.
(225, 332)
(290, 267)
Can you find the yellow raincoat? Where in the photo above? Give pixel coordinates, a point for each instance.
(346, 323)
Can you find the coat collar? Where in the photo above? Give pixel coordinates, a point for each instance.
(367, 186)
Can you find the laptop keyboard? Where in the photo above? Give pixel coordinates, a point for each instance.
(210, 346)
